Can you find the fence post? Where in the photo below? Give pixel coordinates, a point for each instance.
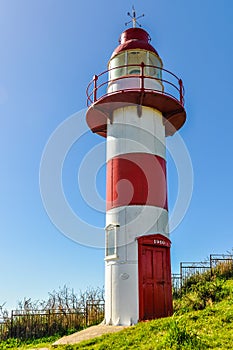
(48, 323)
(86, 313)
(11, 324)
(181, 276)
(211, 265)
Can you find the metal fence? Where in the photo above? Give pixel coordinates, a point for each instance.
(94, 312)
(32, 324)
(188, 269)
(217, 263)
(176, 283)
(217, 259)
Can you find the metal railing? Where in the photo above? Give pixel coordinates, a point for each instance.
(176, 283)
(216, 259)
(217, 263)
(187, 269)
(33, 324)
(172, 85)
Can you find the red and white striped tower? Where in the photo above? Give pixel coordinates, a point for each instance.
(135, 104)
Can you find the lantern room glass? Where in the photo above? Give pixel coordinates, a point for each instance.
(126, 60)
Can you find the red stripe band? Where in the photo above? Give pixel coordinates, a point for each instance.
(136, 179)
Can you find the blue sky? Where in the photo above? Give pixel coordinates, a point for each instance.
(49, 51)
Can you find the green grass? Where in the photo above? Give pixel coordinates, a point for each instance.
(210, 327)
(30, 344)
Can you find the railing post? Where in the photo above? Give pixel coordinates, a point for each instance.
(211, 270)
(181, 275)
(142, 75)
(48, 323)
(181, 92)
(95, 78)
(86, 313)
(11, 324)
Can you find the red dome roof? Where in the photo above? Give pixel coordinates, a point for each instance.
(134, 38)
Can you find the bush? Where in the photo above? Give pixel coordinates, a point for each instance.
(195, 279)
(210, 291)
(201, 293)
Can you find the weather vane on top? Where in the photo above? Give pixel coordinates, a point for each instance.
(134, 18)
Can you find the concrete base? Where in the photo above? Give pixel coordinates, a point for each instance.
(88, 333)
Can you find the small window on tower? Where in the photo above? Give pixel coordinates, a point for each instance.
(111, 240)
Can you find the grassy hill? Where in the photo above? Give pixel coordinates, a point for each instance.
(210, 328)
(203, 319)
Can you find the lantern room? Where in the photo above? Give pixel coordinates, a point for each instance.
(129, 62)
(135, 75)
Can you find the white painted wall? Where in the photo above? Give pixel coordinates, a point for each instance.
(129, 133)
(121, 281)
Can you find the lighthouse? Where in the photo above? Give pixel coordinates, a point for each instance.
(135, 104)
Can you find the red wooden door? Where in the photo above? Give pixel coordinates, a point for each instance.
(155, 299)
